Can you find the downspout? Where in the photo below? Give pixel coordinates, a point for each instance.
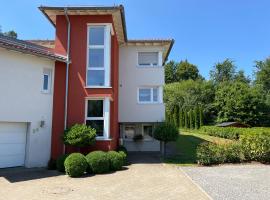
(67, 72)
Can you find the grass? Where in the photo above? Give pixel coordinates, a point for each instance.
(186, 146)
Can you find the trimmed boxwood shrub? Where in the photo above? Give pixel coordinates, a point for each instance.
(60, 162)
(75, 164)
(98, 162)
(232, 152)
(116, 160)
(256, 147)
(80, 135)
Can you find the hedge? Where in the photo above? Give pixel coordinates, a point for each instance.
(75, 165)
(250, 147)
(232, 132)
(98, 162)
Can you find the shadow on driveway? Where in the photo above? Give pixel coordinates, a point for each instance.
(19, 174)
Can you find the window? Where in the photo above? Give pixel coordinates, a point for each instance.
(46, 84)
(148, 58)
(147, 131)
(97, 116)
(98, 56)
(149, 95)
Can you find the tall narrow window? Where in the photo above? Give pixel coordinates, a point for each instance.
(97, 116)
(98, 66)
(46, 82)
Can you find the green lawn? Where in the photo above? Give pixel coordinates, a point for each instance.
(186, 146)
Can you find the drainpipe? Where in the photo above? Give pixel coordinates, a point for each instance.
(67, 71)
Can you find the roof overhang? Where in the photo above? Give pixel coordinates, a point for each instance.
(117, 12)
(166, 43)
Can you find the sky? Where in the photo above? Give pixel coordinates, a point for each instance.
(205, 31)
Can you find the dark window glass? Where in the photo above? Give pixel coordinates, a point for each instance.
(45, 82)
(95, 77)
(96, 124)
(96, 35)
(95, 108)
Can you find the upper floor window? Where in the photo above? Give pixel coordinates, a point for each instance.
(46, 82)
(98, 56)
(150, 95)
(148, 59)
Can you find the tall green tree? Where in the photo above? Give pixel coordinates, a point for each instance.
(223, 71)
(11, 33)
(241, 77)
(190, 115)
(186, 71)
(201, 116)
(170, 69)
(186, 119)
(181, 118)
(263, 74)
(195, 114)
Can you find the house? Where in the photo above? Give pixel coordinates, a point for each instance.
(92, 73)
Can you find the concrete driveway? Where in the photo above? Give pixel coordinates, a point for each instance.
(246, 181)
(145, 179)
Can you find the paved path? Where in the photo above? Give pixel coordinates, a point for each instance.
(248, 182)
(145, 179)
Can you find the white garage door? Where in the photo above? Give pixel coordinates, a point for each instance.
(12, 144)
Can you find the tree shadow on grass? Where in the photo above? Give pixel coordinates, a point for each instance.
(183, 151)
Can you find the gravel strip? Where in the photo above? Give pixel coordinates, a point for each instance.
(250, 181)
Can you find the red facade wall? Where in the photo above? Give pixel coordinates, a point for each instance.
(77, 79)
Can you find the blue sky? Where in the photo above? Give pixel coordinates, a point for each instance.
(205, 31)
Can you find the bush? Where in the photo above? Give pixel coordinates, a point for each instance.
(256, 147)
(51, 164)
(60, 162)
(80, 135)
(116, 160)
(122, 148)
(75, 165)
(124, 157)
(209, 154)
(98, 162)
(166, 132)
(232, 153)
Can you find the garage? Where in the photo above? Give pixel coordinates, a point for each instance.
(12, 144)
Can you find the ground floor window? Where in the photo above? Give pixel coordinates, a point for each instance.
(97, 116)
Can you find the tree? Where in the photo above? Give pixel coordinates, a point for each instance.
(190, 114)
(181, 118)
(263, 74)
(11, 33)
(223, 71)
(186, 119)
(165, 132)
(240, 77)
(195, 113)
(237, 101)
(201, 116)
(175, 117)
(170, 69)
(186, 71)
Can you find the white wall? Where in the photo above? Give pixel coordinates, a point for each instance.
(131, 78)
(21, 100)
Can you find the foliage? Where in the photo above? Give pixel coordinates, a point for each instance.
(175, 72)
(98, 162)
(165, 132)
(263, 74)
(238, 102)
(223, 71)
(122, 148)
(209, 154)
(256, 147)
(11, 33)
(75, 165)
(60, 162)
(233, 153)
(80, 135)
(124, 156)
(116, 160)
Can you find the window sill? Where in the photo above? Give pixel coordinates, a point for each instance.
(149, 66)
(103, 139)
(98, 87)
(149, 103)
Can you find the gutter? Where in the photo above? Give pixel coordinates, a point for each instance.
(67, 71)
(169, 50)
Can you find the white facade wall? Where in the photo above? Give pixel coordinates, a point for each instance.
(22, 100)
(131, 77)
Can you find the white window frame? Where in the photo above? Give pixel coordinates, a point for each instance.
(159, 64)
(149, 139)
(105, 118)
(160, 95)
(108, 31)
(47, 72)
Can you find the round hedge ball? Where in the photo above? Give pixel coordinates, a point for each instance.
(75, 165)
(98, 162)
(116, 160)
